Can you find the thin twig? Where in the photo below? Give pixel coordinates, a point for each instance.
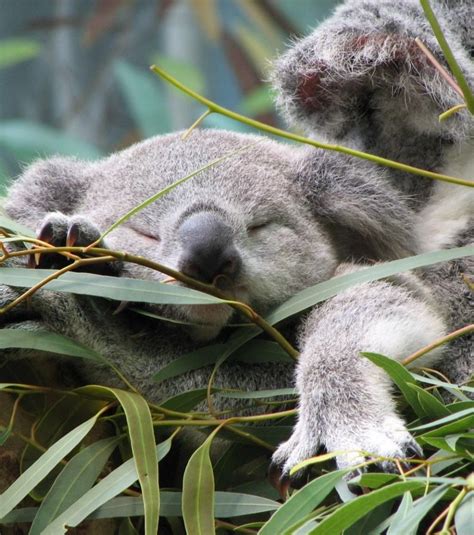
(448, 54)
(441, 341)
(301, 139)
(437, 65)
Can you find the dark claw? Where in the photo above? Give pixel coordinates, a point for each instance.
(72, 235)
(413, 449)
(278, 480)
(46, 232)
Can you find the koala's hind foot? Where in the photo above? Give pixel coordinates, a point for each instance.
(61, 230)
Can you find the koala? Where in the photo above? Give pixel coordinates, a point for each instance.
(274, 219)
(361, 80)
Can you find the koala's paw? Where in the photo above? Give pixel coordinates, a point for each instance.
(385, 444)
(300, 446)
(61, 230)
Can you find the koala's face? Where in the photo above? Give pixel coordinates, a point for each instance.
(241, 225)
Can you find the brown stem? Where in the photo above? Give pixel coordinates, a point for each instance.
(441, 341)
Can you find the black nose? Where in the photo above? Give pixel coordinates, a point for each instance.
(207, 248)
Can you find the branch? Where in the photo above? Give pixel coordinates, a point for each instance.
(215, 108)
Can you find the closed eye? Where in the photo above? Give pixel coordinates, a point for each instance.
(153, 237)
(252, 229)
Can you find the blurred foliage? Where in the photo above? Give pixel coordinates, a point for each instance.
(74, 75)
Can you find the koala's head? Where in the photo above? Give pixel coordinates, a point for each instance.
(243, 224)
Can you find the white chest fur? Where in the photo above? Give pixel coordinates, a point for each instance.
(450, 207)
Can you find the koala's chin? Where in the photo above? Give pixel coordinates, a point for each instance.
(208, 320)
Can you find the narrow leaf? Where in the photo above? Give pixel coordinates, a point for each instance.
(117, 288)
(302, 503)
(348, 513)
(198, 492)
(464, 517)
(75, 479)
(142, 438)
(116, 482)
(45, 341)
(41, 468)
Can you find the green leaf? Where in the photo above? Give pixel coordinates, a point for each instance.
(373, 480)
(13, 51)
(75, 479)
(324, 290)
(190, 361)
(348, 513)
(41, 468)
(227, 505)
(454, 427)
(302, 503)
(407, 519)
(28, 140)
(288, 392)
(431, 405)
(60, 418)
(261, 351)
(401, 377)
(464, 516)
(142, 438)
(117, 288)
(446, 419)
(114, 483)
(145, 98)
(186, 401)
(45, 341)
(198, 492)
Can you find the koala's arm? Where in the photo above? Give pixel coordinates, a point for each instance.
(47, 186)
(362, 67)
(345, 401)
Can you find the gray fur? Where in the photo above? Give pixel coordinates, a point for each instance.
(295, 217)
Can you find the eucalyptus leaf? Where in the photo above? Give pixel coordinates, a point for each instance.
(348, 513)
(142, 438)
(116, 288)
(75, 479)
(114, 483)
(464, 516)
(198, 492)
(45, 341)
(41, 468)
(301, 503)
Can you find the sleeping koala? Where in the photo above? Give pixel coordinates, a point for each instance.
(263, 225)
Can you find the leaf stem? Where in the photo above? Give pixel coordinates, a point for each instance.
(301, 139)
(439, 342)
(448, 54)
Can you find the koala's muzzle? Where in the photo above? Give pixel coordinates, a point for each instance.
(207, 248)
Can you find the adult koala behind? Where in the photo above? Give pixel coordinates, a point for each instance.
(360, 79)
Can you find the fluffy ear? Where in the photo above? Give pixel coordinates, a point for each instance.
(53, 185)
(362, 68)
(367, 218)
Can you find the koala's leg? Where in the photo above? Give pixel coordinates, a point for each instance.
(345, 401)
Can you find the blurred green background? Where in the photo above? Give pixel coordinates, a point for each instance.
(74, 75)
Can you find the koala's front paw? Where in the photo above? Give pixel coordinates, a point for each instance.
(61, 230)
(384, 443)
